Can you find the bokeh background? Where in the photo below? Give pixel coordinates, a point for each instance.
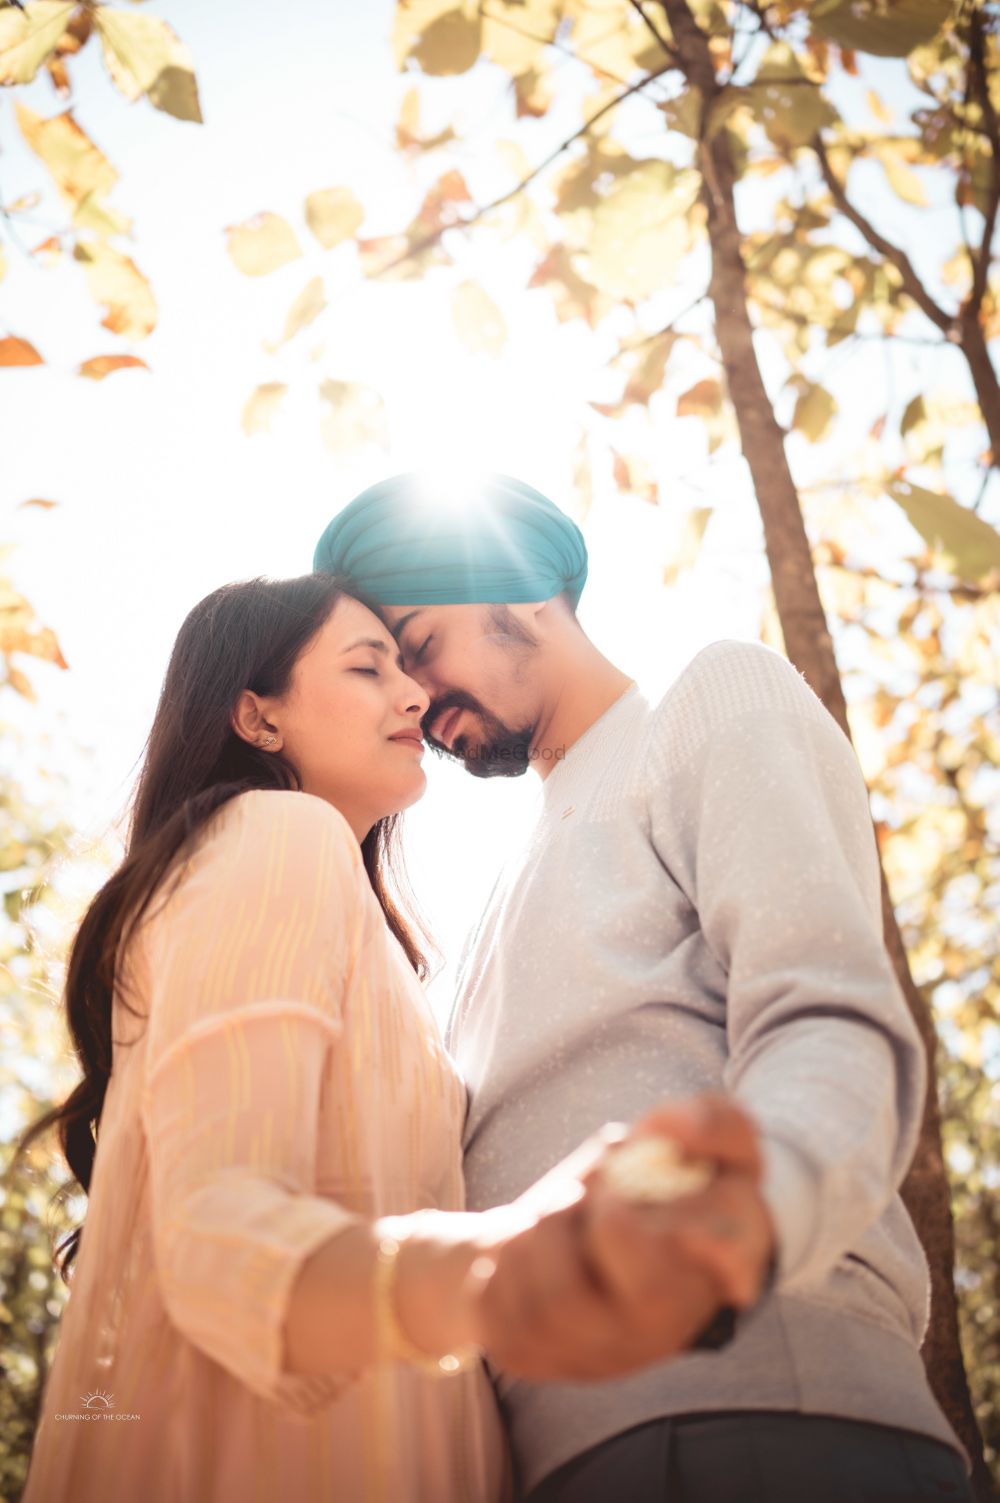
(254, 257)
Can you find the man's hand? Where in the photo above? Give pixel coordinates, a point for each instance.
(594, 1286)
(725, 1229)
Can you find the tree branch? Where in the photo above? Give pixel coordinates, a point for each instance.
(912, 284)
(432, 238)
(670, 328)
(668, 47)
(977, 73)
(532, 36)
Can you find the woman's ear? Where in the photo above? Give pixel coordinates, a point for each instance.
(248, 719)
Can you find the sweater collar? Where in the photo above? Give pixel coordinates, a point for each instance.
(598, 734)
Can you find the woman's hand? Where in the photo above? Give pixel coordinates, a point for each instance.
(592, 1285)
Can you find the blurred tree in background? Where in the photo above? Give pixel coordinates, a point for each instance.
(46, 876)
(728, 196)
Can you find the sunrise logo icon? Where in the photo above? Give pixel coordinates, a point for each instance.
(99, 1400)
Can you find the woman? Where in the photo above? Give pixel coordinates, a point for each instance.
(258, 1291)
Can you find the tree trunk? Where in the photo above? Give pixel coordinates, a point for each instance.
(810, 647)
(984, 377)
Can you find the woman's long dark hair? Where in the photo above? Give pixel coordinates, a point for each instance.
(243, 636)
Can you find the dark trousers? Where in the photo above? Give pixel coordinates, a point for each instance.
(760, 1456)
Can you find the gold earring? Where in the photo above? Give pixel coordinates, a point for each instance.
(267, 741)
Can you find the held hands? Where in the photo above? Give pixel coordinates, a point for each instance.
(578, 1282)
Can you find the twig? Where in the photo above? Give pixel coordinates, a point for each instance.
(432, 238)
(532, 36)
(638, 344)
(668, 47)
(977, 70)
(912, 284)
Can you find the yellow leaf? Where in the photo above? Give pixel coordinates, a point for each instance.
(333, 215)
(262, 406)
(28, 37)
(684, 553)
(880, 110)
(353, 416)
(478, 321)
(305, 310)
(117, 282)
(14, 351)
(78, 168)
(905, 184)
(38, 501)
(102, 365)
(641, 230)
(515, 35)
(449, 45)
(262, 244)
(410, 19)
(22, 684)
(634, 476)
(970, 546)
(91, 214)
(145, 56)
(701, 400)
(814, 411)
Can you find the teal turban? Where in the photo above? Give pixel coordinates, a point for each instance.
(504, 542)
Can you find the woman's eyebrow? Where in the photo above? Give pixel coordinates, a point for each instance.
(378, 646)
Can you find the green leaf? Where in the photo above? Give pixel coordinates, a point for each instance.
(887, 30)
(333, 215)
(261, 244)
(814, 411)
(970, 546)
(641, 230)
(451, 44)
(28, 37)
(145, 56)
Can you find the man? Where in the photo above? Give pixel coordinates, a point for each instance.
(695, 912)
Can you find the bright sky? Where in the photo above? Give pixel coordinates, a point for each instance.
(161, 496)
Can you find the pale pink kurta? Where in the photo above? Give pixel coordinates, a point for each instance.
(290, 1073)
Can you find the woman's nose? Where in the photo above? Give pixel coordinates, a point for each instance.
(415, 696)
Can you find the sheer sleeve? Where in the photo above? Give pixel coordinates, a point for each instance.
(249, 960)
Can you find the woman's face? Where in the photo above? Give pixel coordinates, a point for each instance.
(350, 720)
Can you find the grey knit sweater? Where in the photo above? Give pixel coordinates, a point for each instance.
(698, 907)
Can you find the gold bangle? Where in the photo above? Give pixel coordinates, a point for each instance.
(392, 1341)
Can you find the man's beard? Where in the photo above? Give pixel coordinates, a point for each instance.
(503, 751)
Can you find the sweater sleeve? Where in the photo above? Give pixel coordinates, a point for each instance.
(760, 813)
(249, 959)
